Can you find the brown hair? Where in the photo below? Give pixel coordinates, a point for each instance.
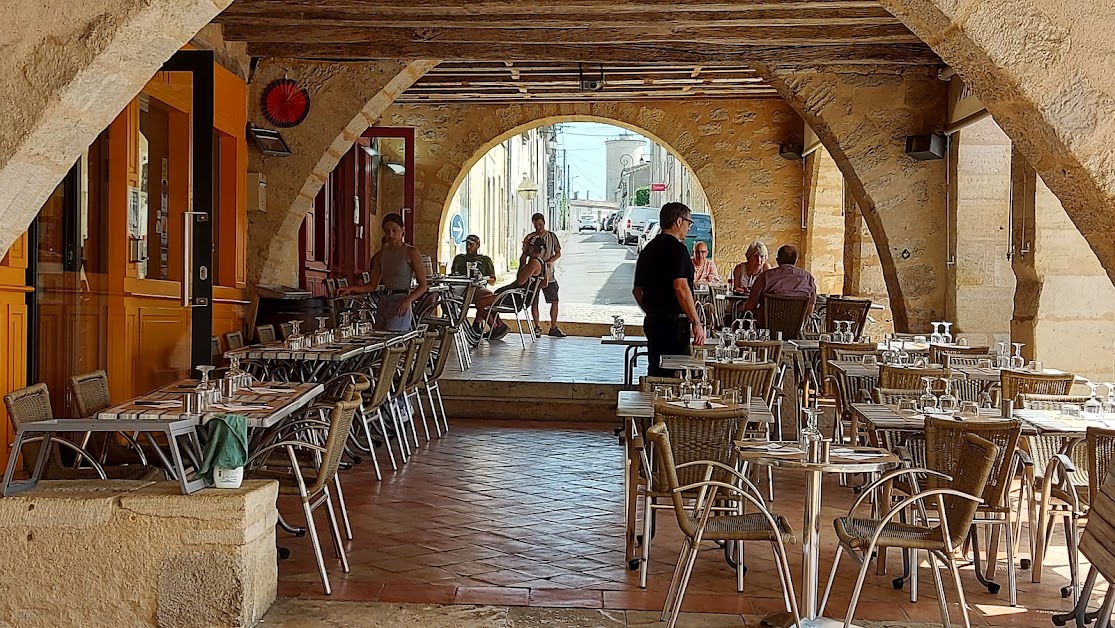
(392, 218)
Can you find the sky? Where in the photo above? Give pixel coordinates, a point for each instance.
(584, 142)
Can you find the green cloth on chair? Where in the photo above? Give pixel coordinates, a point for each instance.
(228, 444)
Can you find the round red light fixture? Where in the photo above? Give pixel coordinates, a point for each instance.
(285, 104)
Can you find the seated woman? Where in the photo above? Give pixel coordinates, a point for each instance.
(530, 265)
(746, 272)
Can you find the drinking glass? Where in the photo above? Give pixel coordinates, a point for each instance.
(962, 342)
(685, 390)
(1109, 404)
(928, 400)
(920, 340)
(947, 336)
(948, 402)
(1039, 366)
(969, 409)
(935, 337)
(764, 335)
(730, 395)
(985, 400)
(920, 362)
(908, 405)
(870, 360)
(658, 393)
(984, 363)
(1070, 410)
(1093, 405)
(1002, 357)
(1017, 361)
(826, 338)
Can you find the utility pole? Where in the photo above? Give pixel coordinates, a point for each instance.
(565, 187)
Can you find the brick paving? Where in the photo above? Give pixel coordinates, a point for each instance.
(530, 514)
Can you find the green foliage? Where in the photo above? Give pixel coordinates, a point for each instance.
(642, 196)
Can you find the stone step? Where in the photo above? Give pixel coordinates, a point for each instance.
(530, 400)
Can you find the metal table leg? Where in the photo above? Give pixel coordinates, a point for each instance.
(811, 545)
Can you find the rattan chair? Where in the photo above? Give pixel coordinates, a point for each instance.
(234, 340)
(215, 351)
(287, 329)
(648, 382)
(447, 342)
(758, 377)
(698, 435)
(832, 387)
(311, 485)
(937, 353)
(416, 382)
(956, 496)
(265, 334)
(968, 359)
(908, 377)
(785, 315)
(372, 412)
(91, 395)
(1014, 383)
(710, 480)
(31, 404)
(330, 287)
(846, 309)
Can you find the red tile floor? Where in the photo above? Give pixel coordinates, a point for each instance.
(523, 513)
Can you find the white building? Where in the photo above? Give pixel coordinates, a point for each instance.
(620, 154)
(668, 172)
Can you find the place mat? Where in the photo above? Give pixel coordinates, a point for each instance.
(698, 404)
(264, 390)
(239, 407)
(772, 448)
(158, 403)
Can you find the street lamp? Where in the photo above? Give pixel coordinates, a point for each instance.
(527, 189)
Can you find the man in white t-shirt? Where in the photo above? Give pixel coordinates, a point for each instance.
(550, 255)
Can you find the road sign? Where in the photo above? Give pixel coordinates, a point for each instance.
(457, 228)
(658, 187)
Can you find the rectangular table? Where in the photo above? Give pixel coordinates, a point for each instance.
(280, 405)
(322, 361)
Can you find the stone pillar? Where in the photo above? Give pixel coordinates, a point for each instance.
(823, 248)
(863, 116)
(863, 273)
(346, 98)
(982, 281)
(1063, 303)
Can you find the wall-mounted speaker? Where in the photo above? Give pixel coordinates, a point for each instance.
(926, 147)
(790, 151)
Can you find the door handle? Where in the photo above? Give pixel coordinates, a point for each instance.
(189, 222)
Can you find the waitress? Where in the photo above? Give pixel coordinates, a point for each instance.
(399, 266)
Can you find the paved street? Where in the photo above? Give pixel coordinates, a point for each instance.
(595, 274)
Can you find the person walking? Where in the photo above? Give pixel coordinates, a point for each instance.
(400, 267)
(664, 290)
(551, 254)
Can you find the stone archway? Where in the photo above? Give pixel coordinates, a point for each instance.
(347, 99)
(1045, 71)
(67, 73)
(716, 139)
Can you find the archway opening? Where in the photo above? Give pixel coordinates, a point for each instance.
(598, 187)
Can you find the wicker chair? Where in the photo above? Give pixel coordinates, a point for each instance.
(372, 412)
(955, 496)
(31, 404)
(416, 382)
(784, 314)
(968, 359)
(846, 309)
(311, 485)
(287, 329)
(91, 396)
(234, 340)
(265, 334)
(698, 435)
(758, 377)
(1014, 383)
(708, 481)
(937, 353)
(215, 351)
(833, 388)
(906, 377)
(944, 438)
(447, 342)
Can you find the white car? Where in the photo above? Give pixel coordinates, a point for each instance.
(633, 222)
(648, 234)
(586, 221)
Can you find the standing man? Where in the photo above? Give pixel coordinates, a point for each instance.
(664, 289)
(472, 254)
(550, 254)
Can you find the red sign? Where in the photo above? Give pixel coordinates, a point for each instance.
(657, 187)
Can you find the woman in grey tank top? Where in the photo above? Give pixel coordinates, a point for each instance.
(399, 266)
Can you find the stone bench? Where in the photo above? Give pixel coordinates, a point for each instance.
(127, 553)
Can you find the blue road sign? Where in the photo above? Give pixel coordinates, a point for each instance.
(457, 228)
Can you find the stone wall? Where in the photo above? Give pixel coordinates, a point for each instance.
(863, 270)
(732, 148)
(823, 248)
(123, 553)
(983, 282)
(863, 115)
(346, 98)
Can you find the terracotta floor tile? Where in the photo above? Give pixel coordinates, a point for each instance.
(500, 596)
(568, 598)
(418, 594)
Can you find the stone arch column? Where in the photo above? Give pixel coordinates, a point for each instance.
(346, 98)
(862, 116)
(67, 72)
(1045, 71)
(731, 147)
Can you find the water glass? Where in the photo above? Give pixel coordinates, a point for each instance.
(908, 405)
(731, 395)
(962, 342)
(870, 360)
(984, 363)
(969, 409)
(826, 338)
(1071, 410)
(1038, 366)
(919, 340)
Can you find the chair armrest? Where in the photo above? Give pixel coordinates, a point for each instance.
(290, 445)
(867, 490)
(65, 443)
(918, 499)
(718, 486)
(720, 465)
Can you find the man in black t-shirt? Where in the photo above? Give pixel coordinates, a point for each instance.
(664, 289)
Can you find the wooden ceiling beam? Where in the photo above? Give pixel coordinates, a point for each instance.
(662, 33)
(541, 81)
(780, 56)
(563, 98)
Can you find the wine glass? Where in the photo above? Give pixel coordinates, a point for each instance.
(1093, 406)
(1002, 359)
(928, 400)
(1017, 361)
(935, 337)
(948, 402)
(985, 399)
(1109, 404)
(205, 387)
(947, 336)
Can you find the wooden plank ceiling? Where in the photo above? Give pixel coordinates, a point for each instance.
(545, 50)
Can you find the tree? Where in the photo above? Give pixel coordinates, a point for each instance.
(642, 196)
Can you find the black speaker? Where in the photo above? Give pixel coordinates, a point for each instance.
(926, 147)
(790, 151)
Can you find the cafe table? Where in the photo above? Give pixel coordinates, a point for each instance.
(635, 346)
(319, 362)
(636, 409)
(788, 455)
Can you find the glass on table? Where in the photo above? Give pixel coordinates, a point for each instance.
(948, 402)
(908, 405)
(962, 342)
(730, 395)
(1071, 410)
(1109, 403)
(935, 336)
(947, 336)
(826, 338)
(928, 400)
(870, 359)
(984, 363)
(920, 340)
(969, 409)
(1093, 406)
(1016, 360)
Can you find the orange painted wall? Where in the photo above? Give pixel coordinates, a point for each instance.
(138, 323)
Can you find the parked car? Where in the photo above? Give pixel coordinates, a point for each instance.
(650, 233)
(586, 221)
(610, 223)
(700, 231)
(634, 222)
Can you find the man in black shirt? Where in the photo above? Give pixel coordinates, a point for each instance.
(664, 289)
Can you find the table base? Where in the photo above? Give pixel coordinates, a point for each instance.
(782, 619)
